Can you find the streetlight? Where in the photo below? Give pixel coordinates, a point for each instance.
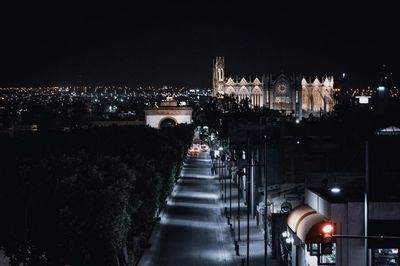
(366, 190)
(224, 176)
(231, 159)
(335, 189)
(247, 174)
(243, 173)
(265, 203)
(220, 149)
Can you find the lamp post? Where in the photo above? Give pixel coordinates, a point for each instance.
(238, 201)
(224, 176)
(230, 197)
(219, 173)
(265, 203)
(220, 149)
(246, 172)
(248, 214)
(366, 204)
(248, 200)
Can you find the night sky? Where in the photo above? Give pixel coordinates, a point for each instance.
(174, 43)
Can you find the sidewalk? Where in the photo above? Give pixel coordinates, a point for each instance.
(256, 247)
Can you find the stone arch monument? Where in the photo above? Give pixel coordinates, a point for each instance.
(168, 114)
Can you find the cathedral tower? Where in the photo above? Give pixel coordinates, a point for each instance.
(218, 75)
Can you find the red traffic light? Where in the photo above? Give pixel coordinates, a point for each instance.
(327, 232)
(327, 238)
(327, 228)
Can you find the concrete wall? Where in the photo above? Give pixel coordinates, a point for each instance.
(339, 216)
(355, 226)
(154, 120)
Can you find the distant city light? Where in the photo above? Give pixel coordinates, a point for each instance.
(297, 121)
(363, 99)
(381, 88)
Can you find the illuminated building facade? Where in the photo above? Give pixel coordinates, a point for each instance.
(251, 89)
(291, 95)
(317, 96)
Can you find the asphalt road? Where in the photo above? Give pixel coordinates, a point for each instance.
(192, 230)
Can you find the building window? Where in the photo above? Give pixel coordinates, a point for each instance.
(329, 259)
(313, 249)
(385, 256)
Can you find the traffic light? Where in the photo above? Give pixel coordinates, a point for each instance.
(327, 238)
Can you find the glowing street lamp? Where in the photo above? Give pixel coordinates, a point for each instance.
(335, 189)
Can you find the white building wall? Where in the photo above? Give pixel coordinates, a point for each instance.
(154, 120)
(311, 199)
(319, 204)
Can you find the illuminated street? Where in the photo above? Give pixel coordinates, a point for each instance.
(192, 230)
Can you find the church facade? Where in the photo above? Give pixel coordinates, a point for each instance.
(289, 94)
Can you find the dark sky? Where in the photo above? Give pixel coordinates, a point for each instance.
(174, 43)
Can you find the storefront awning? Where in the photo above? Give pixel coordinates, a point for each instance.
(306, 223)
(298, 214)
(310, 228)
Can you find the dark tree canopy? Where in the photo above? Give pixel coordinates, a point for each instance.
(81, 197)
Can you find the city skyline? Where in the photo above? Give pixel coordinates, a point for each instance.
(175, 44)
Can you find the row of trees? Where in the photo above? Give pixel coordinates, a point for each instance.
(82, 197)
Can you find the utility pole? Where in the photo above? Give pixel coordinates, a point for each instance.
(238, 201)
(248, 199)
(224, 176)
(230, 183)
(366, 204)
(265, 203)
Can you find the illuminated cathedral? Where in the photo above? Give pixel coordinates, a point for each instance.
(289, 94)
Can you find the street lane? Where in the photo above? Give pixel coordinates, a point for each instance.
(192, 230)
